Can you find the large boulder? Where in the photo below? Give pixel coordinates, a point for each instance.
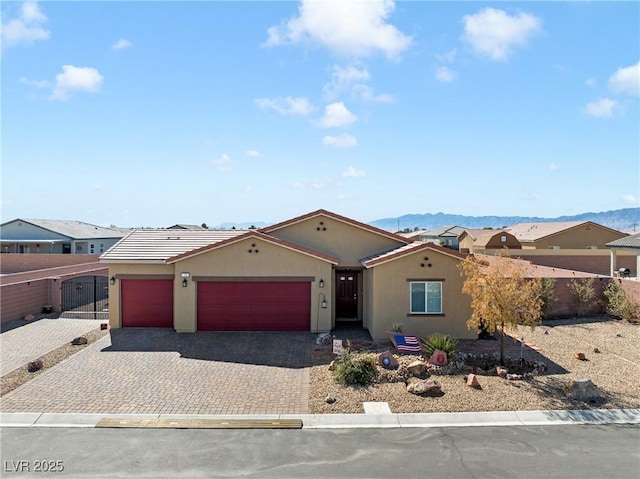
(423, 387)
(438, 358)
(582, 390)
(417, 368)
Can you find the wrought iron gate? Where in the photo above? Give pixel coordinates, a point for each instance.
(85, 296)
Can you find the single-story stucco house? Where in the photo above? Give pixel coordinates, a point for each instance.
(304, 274)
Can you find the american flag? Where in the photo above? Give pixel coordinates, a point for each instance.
(409, 344)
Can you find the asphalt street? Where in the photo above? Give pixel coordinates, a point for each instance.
(577, 451)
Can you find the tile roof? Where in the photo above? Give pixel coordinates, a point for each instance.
(258, 235)
(540, 271)
(447, 231)
(158, 245)
(631, 241)
(72, 229)
(337, 217)
(536, 231)
(406, 250)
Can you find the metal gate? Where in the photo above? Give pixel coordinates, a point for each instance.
(85, 296)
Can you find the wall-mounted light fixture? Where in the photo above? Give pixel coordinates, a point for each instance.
(185, 277)
(321, 283)
(323, 302)
(112, 280)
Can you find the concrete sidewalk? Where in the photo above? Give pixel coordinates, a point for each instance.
(350, 421)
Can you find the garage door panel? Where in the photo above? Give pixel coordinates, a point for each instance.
(254, 306)
(146, 303)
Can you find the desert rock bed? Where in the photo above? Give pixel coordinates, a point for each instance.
(614, 369)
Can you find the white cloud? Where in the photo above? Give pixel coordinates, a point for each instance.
(340, 141)
(448, 57)
(342, 78)
(97, 187)
(75, 78)
(34, 83)
(602, 108)
(352, 172)
(223, 163)
(25, 29)
(253, 153)
(298, 185)
(286, 105)
(591, 82)
(446, 74)
(494, 33)
(626, 80)
(631, 199)
(350, 28)
(553, 167)
(335, 115)
(366, 93)
(122, 44)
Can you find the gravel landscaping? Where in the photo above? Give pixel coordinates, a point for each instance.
(612, 363)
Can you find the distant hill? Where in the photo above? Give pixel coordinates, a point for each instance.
(627, 219)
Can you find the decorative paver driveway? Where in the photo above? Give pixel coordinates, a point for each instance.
(162, 372)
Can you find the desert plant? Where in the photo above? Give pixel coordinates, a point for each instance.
(443, 342)
(619, 304)
(353, 368)
(397, 327)
(584, 293)
(548, 296)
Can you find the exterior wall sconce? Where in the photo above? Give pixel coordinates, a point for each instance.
(321, 283)
(323, 302)
(185, 277)
(112, 280)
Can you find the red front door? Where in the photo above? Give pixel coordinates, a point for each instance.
(346, 295)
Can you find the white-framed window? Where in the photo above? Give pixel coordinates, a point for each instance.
(503, 238)
(92, 248)
(102, 247)
(425, 297)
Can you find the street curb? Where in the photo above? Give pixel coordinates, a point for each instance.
(352, 421)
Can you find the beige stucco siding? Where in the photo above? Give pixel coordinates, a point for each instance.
(253, 259)
(579, 237)
(348, 243)
(124, 271)
(390, 296)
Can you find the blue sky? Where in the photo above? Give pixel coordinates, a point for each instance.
(156, 113)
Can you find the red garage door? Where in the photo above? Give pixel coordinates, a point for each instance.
(254, 306)
(146, 303)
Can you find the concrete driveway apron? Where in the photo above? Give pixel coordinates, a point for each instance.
(156, 371)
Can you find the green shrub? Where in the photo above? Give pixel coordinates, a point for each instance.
(585, 295)
(619, 304)
(355, 368)
(443, 342)
(397, 327)
(548, 295)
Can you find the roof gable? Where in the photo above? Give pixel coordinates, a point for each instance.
(256, 235)
(529, 232)
(407, 250)
(337, 217)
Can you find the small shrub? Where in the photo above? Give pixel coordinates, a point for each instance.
(548, 296)
(443, 342)
(397, 328)
(619, 304)
(353, 369)
(584, 293)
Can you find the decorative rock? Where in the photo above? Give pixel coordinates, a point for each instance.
(502, 372)
(387, 361)
(546, 332)
(514, 377)
(618, 335)
(582, 390)
(439, 358)
(34, 366)
(426, 386)
(79, 340)
(417, 367)
(596, 350)
(330, 399)
(104, 326)
(332, 366)
(323, 339)
(29, 317)
(580, 356)
(472, 381)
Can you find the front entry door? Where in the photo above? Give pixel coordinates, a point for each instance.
(346, 295)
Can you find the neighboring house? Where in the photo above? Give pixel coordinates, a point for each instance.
(479, 241)
(445, 236)
(304, 274)
(56, 236)
(628, 243)
(564, 235)
(181, 226)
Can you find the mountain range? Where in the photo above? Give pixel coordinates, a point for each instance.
(626, 219)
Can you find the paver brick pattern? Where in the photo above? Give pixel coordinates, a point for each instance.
(137, 371)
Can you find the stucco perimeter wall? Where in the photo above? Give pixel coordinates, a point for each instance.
(126, 271)
(17, 263)
(391, 303)
(348, 243)
(590, 261)
(265, 261)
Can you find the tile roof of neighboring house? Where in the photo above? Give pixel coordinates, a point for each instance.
(631, 241)
(412, 234)
(476, 233)
(409, 249)
(72, 229)
(182, 226)
(445, 231)
(158, 245)
(258, 235)
(343, 219)
(535, 231)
